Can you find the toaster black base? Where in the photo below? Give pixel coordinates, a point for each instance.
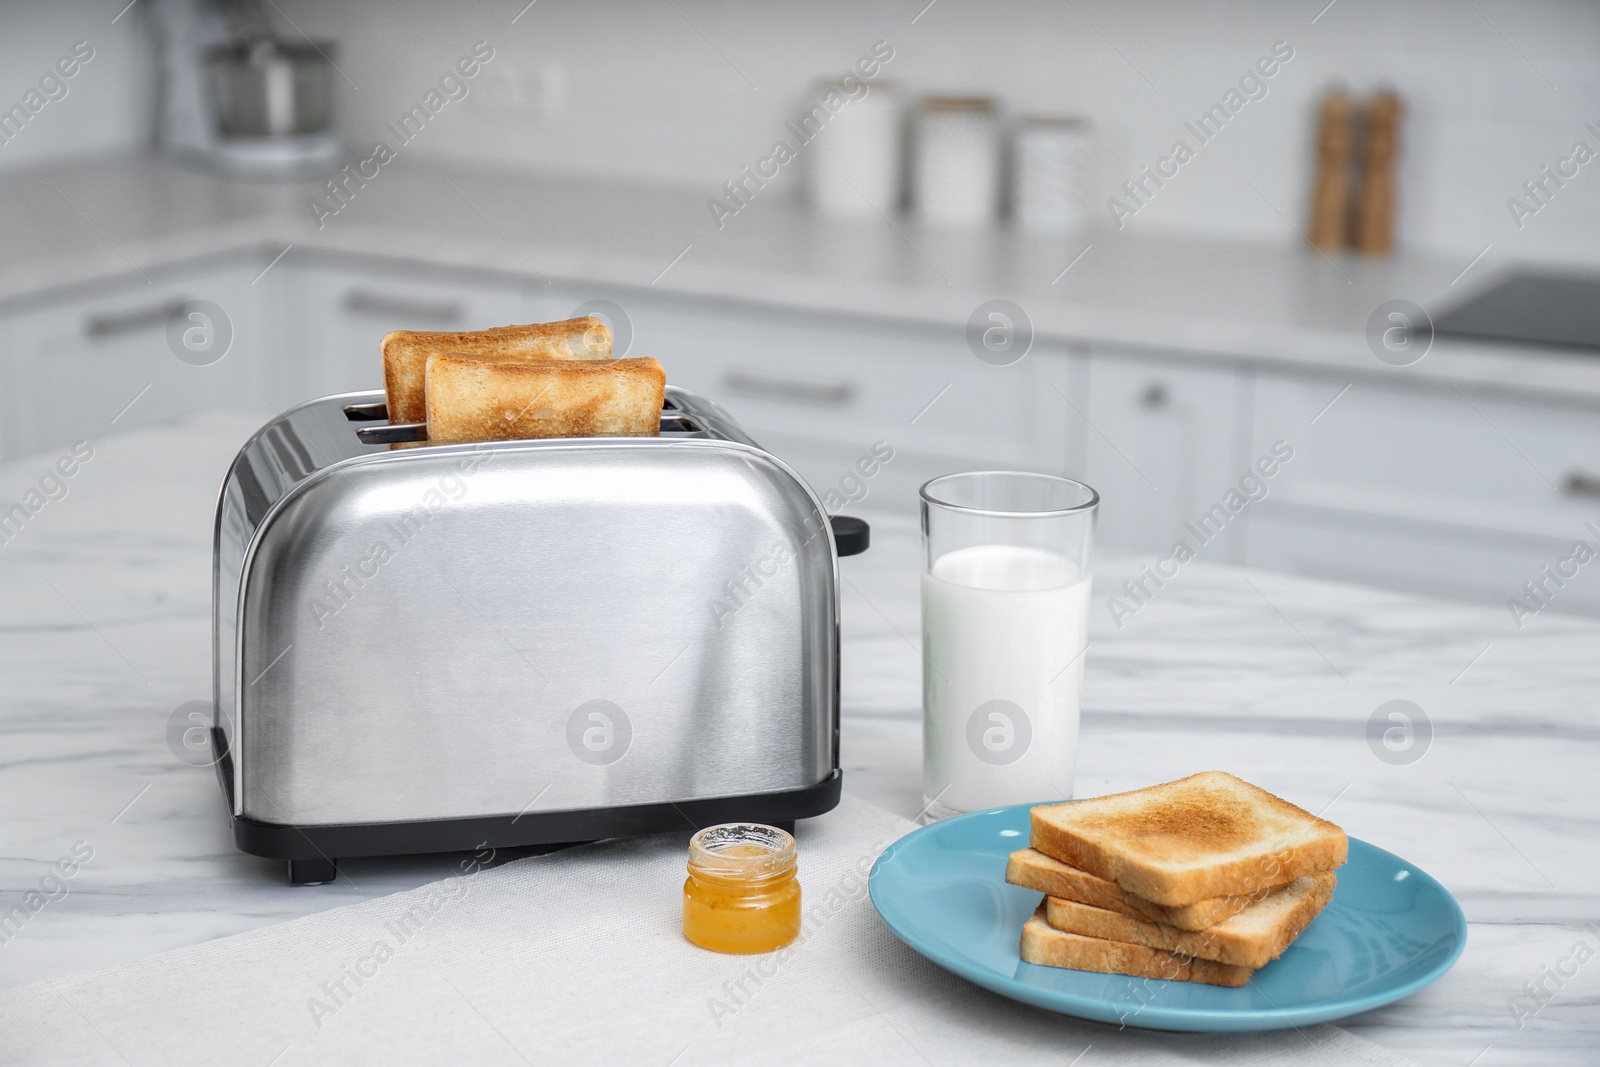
(312, 852)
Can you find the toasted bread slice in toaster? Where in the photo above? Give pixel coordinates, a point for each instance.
(406, 352)
(478, 398)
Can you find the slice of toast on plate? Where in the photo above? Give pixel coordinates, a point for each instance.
(1253, 938)
(1046, 946)
(1207, 835)
(1032, 869)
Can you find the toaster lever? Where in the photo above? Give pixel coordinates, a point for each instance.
(850, 534)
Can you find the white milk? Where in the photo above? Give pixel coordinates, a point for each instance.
(1001, 623)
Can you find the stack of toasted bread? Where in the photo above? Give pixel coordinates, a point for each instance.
(1204, 879)
(552, 379)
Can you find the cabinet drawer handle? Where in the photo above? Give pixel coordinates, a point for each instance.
(366, 302)
(110, 323)
(791, 390)
(1581, 483)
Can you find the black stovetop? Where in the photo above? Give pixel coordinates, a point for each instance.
(1549, 309)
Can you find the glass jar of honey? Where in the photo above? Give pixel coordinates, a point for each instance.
(741, 894)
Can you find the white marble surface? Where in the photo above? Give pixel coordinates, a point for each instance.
(1269, 304)
(105, 632)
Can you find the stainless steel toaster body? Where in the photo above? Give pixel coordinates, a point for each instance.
(527, 642)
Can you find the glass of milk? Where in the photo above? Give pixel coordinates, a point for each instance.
(1005, 617)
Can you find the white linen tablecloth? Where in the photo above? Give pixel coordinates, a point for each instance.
(578, 957)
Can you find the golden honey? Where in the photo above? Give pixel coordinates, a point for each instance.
(741, 895)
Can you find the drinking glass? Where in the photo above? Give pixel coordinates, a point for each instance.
(1005, 618)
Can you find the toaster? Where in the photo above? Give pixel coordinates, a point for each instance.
(432, 648)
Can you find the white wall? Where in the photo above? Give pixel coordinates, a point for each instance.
(633, 89)
(108, 103)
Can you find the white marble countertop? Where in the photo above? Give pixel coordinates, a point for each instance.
(106, 632)
(1283, 304)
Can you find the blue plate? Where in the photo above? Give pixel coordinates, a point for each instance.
(1389, 930)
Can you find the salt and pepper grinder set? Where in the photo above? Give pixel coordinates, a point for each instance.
(1353, 196)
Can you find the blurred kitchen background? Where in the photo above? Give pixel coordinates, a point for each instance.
(980, 245)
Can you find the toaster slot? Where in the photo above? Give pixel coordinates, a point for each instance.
(378, 412)
(673, 421)
(393, 434)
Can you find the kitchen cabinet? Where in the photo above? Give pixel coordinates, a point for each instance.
(109, 358)
(1162, 445)
(1425, 487)
(338, 311)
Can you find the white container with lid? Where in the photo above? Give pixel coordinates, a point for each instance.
(1051, 157)
(853, 164)
(956, 163)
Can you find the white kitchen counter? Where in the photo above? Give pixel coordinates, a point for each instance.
(1273, 304)
(106, 632)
